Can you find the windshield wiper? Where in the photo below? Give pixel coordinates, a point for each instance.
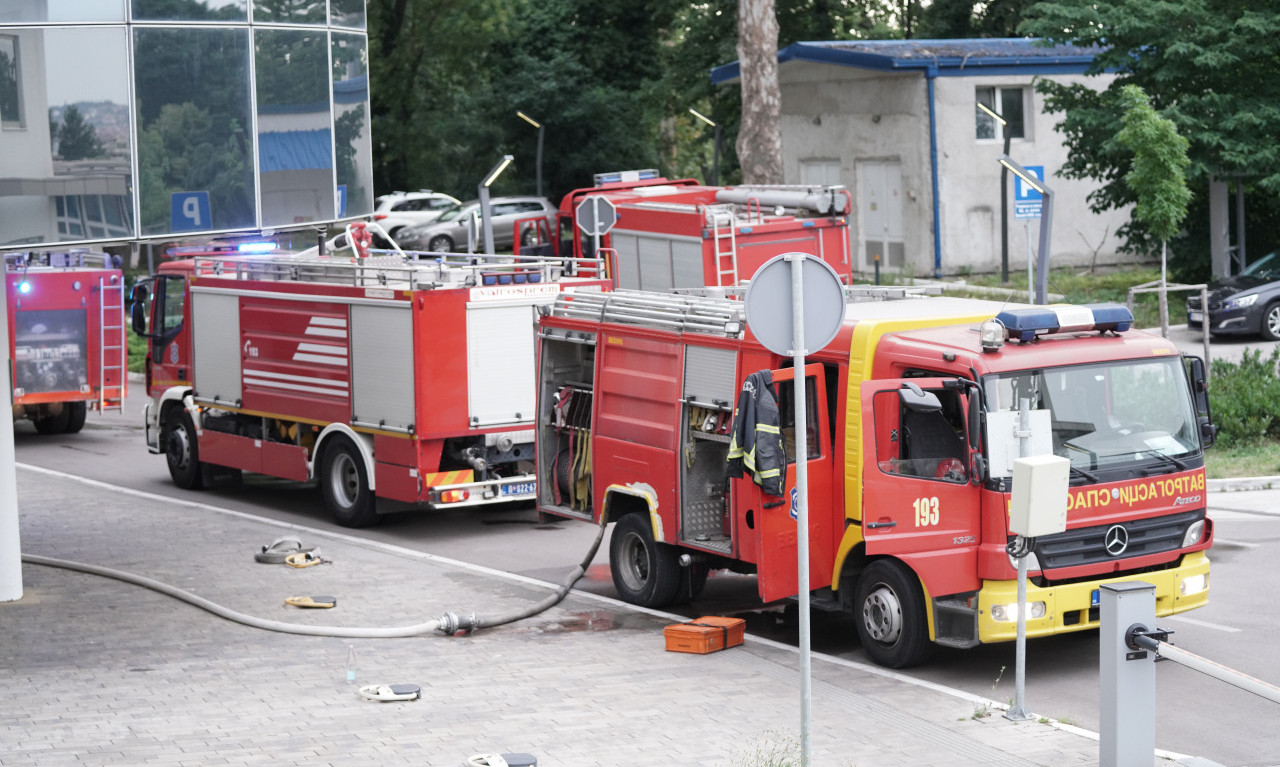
(1182, 465)
(1078, 472)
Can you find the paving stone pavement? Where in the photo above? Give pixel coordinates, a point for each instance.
(98, 671)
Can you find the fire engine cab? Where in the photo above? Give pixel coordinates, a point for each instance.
(913, 426)
(672, 234)
(384, 378)
(66, 337)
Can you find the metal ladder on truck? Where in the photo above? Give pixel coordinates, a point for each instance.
(724, 244)
(113, 371)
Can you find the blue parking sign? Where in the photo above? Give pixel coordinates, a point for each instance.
(189, 212)
(1026, 198)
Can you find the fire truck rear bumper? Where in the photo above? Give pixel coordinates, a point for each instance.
(504, 490)
(1075, 606)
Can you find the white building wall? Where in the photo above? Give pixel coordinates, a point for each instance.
(854, 116)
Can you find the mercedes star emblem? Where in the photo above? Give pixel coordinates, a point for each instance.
(1116, 540)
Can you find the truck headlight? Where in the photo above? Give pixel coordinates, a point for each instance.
(1033, 563)
(1193, 535)
(1009, 613)
(1193, 584)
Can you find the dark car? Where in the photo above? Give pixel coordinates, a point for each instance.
(1248, 303)
(448, 233)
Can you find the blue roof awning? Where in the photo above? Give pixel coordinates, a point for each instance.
(945, 58)
(295, 150)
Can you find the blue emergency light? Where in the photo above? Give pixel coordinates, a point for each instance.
(625, 175)
(265, 246)
(24, 287)
(1025, 324)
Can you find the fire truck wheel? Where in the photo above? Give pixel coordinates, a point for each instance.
(181, 451)
(345, 484)
(76, 412)
(889, 612)
(645, 572)
(54, 424)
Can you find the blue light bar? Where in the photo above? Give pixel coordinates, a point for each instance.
(1026, 324)
(265, 246)
(624, 175)
(24, 287)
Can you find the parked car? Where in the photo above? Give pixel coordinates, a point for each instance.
(448, 233)
(400, 209)
(1248, 303)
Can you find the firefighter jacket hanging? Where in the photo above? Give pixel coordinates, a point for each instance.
(756, 445)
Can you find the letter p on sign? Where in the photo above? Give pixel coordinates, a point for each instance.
(189, 212)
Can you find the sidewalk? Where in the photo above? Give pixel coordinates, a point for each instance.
(103, 672)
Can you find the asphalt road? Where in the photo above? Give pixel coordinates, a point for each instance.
(1195, 715)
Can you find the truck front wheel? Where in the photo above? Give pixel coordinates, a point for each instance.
(645, 572)
(889, 613)
(345, 484)
(181, 451)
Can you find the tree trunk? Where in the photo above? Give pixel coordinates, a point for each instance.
(760, 135)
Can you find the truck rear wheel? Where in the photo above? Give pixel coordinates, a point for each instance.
(345, 484)
(76, 412)
(645, 572)
(181, 451)
(889, 613)
(53, 424)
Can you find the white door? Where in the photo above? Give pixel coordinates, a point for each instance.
(881, 233)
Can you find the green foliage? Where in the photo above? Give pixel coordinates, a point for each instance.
(77, 139)
(1159, 164)
(1208, 65)
(1243, 397)
(946, 19)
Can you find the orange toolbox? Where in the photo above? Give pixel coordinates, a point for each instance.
(707, 634)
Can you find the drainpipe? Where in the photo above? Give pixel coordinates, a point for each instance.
(929, 75)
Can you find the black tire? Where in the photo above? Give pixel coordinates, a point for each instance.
(889, 612)
(54, 424)
(645, 572)
(441, 243)
(1271, 321)
(181, 451)
(76, 413)
(345, 484)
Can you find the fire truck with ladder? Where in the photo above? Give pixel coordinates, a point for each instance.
(913, 426)
(66, 337)
(391, 380)
(658, 234)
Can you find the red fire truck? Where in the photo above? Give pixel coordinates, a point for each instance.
(913, 428)
(669, 234)
(390, 380)
(66, 337)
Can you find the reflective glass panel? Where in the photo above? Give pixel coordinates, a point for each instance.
(61, 10)
(190, 10)
(295, 141)
(195, 151)
(64, 134)
(353, 146)
(289, 11)
(347, 13)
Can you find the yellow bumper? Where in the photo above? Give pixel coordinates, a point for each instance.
(1070, 607)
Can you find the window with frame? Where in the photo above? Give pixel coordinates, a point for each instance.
(10, 83)
(1009, 103)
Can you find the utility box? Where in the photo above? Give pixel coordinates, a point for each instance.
(1039, 502)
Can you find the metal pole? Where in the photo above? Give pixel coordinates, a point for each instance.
(1127, 719)
(10, 544)
(1046, 231)
(1018, 711)
(1004, 216)
(1031, 293)
(715, 165)
(486, 219)
(539, 160)
(1209, 668)
(1242, 258)
(1204, 324)
(799, 390)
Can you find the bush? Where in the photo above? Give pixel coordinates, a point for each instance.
(1245, 398)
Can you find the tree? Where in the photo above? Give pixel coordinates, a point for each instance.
(77, 140)
(1207, 65)
(1157, 176)
(760, 135)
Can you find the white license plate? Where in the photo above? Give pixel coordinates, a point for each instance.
(1195, 316)
(519, 488)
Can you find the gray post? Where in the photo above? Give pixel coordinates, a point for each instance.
(1018, 711)
(1128, 677)
(1219, 229)
(799, 392)
(486, 219)
(10, 544)
(539, 160)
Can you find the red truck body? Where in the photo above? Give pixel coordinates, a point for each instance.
(66, 337)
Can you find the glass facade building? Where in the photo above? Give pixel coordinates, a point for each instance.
(142, 119)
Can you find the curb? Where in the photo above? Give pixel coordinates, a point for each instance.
(1235, 484)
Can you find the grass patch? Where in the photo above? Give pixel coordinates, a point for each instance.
(1261, 460)
(137, 352)
(1080, 286)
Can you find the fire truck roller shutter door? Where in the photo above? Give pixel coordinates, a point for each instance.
(215, 327)
(382, 390)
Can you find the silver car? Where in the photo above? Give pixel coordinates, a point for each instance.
(535, 216)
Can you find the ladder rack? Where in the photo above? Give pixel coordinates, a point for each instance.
(669, 311)
(113, 372)
(724, 240)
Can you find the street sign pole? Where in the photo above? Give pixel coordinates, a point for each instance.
(798, 388)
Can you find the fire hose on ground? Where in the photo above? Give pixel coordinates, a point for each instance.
(448, 624)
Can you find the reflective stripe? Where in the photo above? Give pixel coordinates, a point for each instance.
(768, 429)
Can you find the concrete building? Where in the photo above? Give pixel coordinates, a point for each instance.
(897, 122)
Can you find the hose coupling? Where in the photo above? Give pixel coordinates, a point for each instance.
(451, 624)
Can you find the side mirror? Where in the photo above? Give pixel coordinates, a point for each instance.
(1200, 399)
(138, 309)
(917, 400)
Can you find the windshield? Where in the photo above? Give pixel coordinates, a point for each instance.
(1268, 266)
(1107, 414)
(452, 212)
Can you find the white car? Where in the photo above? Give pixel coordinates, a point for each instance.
(400, 209)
